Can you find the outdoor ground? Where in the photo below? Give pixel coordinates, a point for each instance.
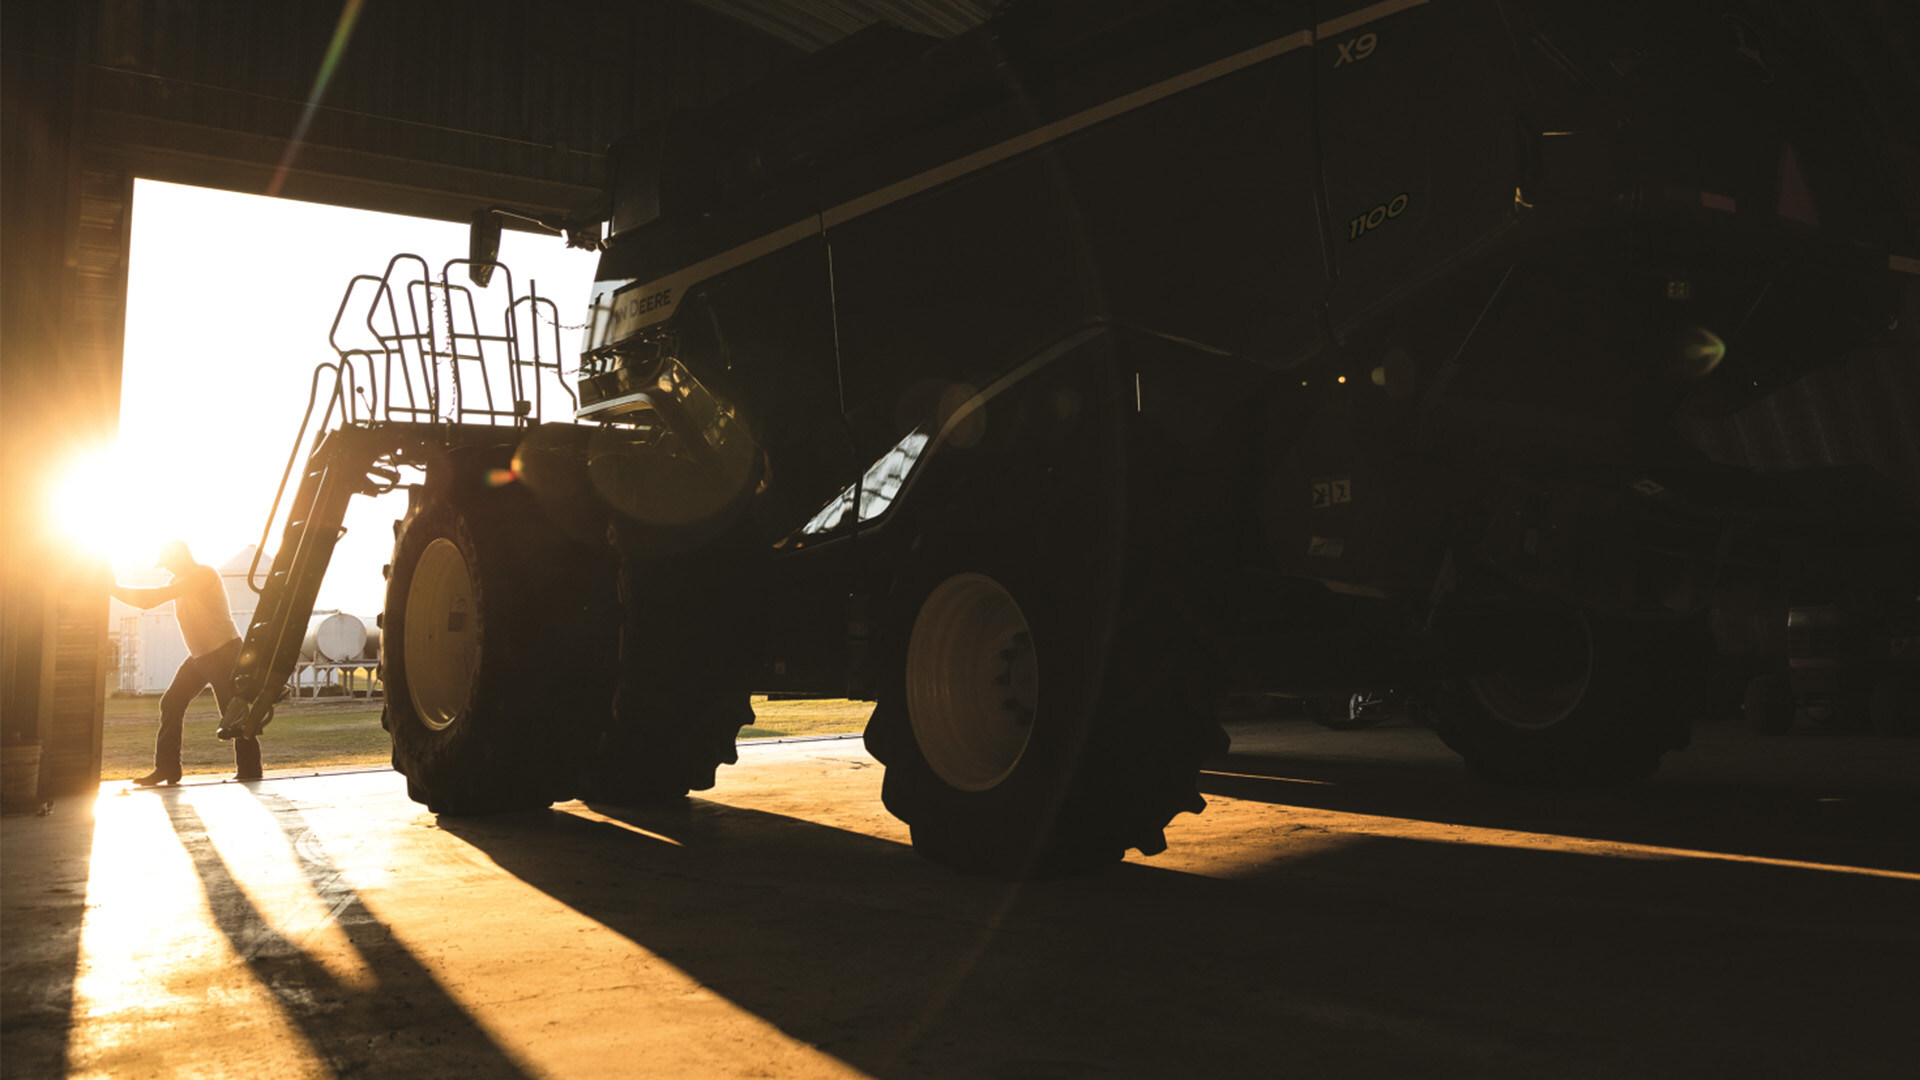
(333, 732)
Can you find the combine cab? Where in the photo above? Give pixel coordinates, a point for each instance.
(1046, 383)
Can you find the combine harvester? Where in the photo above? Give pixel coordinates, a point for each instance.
(1045, 383)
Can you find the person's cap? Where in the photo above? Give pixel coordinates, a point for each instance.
(172, 549)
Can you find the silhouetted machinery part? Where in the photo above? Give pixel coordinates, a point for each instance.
(498, 643)
(1768, 706)
(1359, 709)
(1023, 740)
(668, 507)
(684, 669)
(1131, 354)
(1851, 667)
(1042, 711)
(1408, 364)
(1894, 709)
(1557, 697)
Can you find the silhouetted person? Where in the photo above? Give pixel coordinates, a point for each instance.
(200, 603)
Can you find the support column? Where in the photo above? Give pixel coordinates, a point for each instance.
(64, 262)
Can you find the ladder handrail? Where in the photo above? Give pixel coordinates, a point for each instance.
(344, 388)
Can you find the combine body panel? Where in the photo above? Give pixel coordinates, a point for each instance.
(1045, 383)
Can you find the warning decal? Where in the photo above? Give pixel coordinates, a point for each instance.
(1332, 491)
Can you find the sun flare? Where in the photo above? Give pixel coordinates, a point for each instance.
(103, 506)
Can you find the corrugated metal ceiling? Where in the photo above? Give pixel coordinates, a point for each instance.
(815, 24)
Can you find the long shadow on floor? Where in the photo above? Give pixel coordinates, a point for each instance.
(1319, 955)
(1805, 820)
(45, 907)
(426, 1033)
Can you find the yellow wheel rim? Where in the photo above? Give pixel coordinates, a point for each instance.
(973, 682)
(443, 635)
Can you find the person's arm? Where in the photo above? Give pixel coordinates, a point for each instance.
(145, 597)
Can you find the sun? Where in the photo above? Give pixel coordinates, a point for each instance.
(99, 506)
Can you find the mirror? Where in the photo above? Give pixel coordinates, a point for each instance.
(483, 246)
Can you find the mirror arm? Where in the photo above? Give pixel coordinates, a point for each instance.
(552, 223)
(483, 239)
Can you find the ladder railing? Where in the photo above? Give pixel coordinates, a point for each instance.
(427, 335)
(532, 367)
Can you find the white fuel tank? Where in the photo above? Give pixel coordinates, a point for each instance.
(333, 639)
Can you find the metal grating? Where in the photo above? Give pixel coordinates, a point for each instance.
(1862, 411)
(814, 24)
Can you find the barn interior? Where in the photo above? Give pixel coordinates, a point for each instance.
(1351, 904)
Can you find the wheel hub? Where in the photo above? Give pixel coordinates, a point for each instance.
(973, 682)
(442, 645)
(1544, 675)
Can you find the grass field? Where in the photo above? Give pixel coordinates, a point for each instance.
(334, 733)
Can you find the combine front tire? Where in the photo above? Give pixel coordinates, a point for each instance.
(497, 640)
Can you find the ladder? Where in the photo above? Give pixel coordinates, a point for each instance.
(345, 464)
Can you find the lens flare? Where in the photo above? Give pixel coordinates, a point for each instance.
(81, 502)
(342, 33)
(98, 507)
(1694, 353)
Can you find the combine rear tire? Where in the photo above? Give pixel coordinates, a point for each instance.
(1768, 705)
(1895, 708)
(1574, 701)
(1026, 736)
(1045, 700)
(498, 642)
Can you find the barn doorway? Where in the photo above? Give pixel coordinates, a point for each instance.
(230, 299)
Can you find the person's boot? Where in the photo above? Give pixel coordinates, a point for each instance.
(166, 760)
(246, 759)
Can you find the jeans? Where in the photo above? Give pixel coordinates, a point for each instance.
(199, 672)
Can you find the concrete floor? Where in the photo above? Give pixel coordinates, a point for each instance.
(1350, 905)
